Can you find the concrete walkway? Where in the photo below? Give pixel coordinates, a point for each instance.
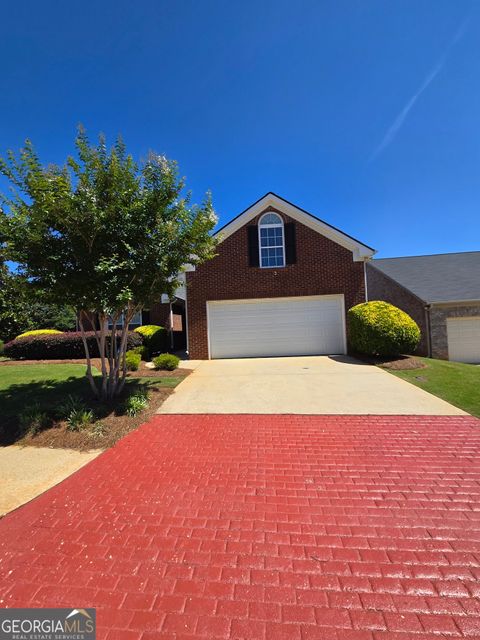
(300, 385)
(25, 472)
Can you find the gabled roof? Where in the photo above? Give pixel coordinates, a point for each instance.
(443, 277)
(360, 251)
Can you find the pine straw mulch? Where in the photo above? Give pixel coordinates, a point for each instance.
(402, 363)
(115, 424)
(116, 427)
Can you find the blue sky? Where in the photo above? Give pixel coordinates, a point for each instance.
(365, 113)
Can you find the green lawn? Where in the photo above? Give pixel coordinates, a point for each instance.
(454, 382)
(25, 385)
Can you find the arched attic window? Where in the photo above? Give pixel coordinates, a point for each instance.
(271, 240)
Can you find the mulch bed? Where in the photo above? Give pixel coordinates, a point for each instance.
(116, 426)
(401, 363)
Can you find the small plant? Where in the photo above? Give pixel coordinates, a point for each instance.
(33, 419)
(71, 403)
(132, 360)
(1, 347)
(80, 419)
(99, 429)
(136, 403)
(39, 332)
(75, 412)
(166, 361)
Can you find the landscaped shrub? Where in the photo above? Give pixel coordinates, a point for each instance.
(166, 361)
(39, 332)
(155, 338)
(136, 403)
(378, 328)
(80, 419)
(75, 412)
(1, 347)
(142, 352)
(64, 345)
(132, 360)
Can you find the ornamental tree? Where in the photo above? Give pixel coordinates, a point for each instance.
(104, 234)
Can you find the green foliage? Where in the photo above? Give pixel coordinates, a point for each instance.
(154, 338)
(99, 429)
(80, 419)
(33, 419)
(75, 412)
(2, 344)
(58, 316)
(102, 233)
(142, 352)
(166, 361)
(14, 308)
(38, 332)
(136, 403)
(21, 309)
(62, 345)
(380, 329)
(132, 360)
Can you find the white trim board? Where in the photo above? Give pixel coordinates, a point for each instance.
(359, 250)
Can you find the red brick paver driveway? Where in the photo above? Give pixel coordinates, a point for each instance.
(298, 527)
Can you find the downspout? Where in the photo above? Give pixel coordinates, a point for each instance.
(365, 278)
(171, 325)
(429, 333)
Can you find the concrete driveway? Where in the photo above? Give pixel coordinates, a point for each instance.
(300, 385)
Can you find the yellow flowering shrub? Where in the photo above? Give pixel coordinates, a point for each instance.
(38, 332)
(380, 329)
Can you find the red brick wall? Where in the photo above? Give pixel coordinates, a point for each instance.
(381, 287)
(322, 267)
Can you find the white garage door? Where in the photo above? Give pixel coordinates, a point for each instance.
(276, 327)
(464, 339)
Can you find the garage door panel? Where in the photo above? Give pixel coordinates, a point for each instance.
(281, 326)
(464, 339)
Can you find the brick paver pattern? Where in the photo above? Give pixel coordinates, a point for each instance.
(276, 527)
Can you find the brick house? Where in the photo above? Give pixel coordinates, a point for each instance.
(442, 294)
(280, 284)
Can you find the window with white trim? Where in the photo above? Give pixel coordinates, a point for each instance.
(136, 320)
(271, 241)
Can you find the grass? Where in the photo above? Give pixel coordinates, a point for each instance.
(454, 382)
(47, 385)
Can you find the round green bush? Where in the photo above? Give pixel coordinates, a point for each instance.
(132, 360)
(166, 361)
(154, 338)
(378, 328)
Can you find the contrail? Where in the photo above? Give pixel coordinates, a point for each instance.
(400, 119)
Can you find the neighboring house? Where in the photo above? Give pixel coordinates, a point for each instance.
(441, 293)
(280, 284)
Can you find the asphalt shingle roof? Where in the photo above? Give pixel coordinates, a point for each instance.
(445, 277)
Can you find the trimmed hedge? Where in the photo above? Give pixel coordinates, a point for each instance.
(155, 338)
(39, 332)
(59, 346)
(378, 328)
(166, 361)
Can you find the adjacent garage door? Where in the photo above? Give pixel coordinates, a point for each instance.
(464, 339)
(276, 327)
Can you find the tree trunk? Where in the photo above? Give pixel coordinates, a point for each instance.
(90, 378)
